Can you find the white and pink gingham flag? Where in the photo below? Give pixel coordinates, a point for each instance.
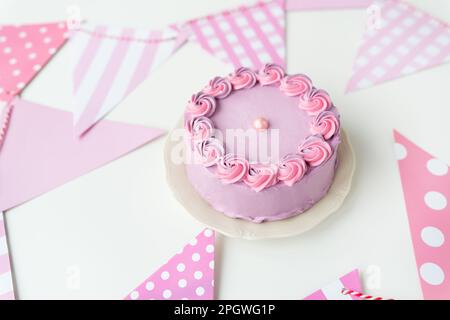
(401, 41)
(333, 291)
(426, 189)
(187, 275)
(6, 283)
(24, 50)
(292, 5)
(110, 62)
(248, 36)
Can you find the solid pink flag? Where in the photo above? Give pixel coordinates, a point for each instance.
(24, 50)
(399, 40)
(333, 291)
(41, 153)
(249, 36)
(426, 189)
(6, 283)
(187, 275)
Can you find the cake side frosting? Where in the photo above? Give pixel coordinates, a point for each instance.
(236, 184)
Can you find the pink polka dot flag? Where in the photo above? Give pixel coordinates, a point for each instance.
(333, 291)
(249, 36)
(399, 40)
(187, 275)
(24, 50)
(426, 189)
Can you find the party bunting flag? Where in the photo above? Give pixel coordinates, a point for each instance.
(6, 283)
(41, 153)
(333, 291)
(403, 40)
(187, 275)
(24, 50)
(249, 36)
(292, 5)
(5, 115)
(110, 62)
(426, 189)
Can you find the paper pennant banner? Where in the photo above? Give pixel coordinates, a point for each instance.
(41, 153)
(400, 41)
(24, 50)
(426, 189)
(248, 36)
(187, 275)
(110, 62)
(333, 291)
(6, 283)
(5, 115)
(326, 4)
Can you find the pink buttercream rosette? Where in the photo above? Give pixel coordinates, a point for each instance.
(230, 168)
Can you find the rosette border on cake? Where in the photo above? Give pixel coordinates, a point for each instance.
(309, 135)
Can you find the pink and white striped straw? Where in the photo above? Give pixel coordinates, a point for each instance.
(360, 295)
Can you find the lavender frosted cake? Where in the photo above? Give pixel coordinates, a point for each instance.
(289, 134)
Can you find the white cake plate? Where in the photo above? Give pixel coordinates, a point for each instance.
(207, 215)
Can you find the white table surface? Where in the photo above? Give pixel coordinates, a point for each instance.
(102, 234)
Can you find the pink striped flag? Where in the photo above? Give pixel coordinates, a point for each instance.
(292, 5)
(333, 291)
(426, 189)
(400, 41)
(24, 50)
(41, 153)
(249, 36)
(189, 275)
(110, 62)
(6, 283)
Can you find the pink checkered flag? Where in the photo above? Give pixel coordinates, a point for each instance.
(187, 275)
(426, 189)
(399, 40)
(292, 5)
(249, 36)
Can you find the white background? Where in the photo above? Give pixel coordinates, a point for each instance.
(118, 224)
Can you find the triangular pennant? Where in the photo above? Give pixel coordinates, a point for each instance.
(187, 275)
(292, 5)
(24, 50)
(333, 291)
(249, 36)
(6, 283)
(108, 63)
(5, 115)
(41, 153)
(426, 189)
(401, 40)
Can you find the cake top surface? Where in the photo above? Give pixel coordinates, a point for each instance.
(261, 128)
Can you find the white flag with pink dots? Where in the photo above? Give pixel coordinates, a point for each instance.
(189, 275)
(24, 50)
(426, 188)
